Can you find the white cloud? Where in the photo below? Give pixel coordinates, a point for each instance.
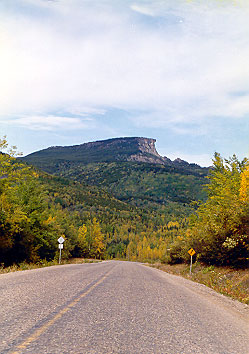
(90, 56)
(142, 9)
(50, 123)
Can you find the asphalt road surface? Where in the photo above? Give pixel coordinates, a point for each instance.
(116, 307)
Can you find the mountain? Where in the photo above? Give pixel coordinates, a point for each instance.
(134, 149)
(131, 170)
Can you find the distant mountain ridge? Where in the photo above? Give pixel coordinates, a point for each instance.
(136, 149)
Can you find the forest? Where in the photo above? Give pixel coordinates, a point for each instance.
(211, 214)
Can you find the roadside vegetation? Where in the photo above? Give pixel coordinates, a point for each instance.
(43, 264)
(219, 230)
(224, 280)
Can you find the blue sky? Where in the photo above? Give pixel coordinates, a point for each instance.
(73, 71)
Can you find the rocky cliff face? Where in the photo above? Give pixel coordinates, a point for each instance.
(147, 152)
(143, 145)
(147, 145)
(128, 149)
(144, 150)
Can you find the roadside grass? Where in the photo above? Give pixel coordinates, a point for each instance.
(43, 263)
(225, 280)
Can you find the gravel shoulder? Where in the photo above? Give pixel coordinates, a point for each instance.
(234, 306)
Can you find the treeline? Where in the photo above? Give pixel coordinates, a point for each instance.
(36, 209)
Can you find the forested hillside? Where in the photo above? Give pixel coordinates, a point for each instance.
(167, 189)
(138, 211)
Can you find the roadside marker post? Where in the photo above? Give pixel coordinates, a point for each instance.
(191, 252)
(60, 240)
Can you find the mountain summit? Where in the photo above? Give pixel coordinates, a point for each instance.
(134, 149)
(117, 149)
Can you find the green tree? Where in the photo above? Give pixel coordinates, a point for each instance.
(219, 233)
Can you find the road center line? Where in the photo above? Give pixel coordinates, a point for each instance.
(44, 327)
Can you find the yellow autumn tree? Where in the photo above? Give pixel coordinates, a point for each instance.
(98, 245)
(244, 185)
(82, 240)
(11, 170)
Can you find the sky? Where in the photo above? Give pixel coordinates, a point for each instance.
(74, 71)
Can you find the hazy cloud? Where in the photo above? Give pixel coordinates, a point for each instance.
(50, 122)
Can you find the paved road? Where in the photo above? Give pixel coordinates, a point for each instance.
(116, 307)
